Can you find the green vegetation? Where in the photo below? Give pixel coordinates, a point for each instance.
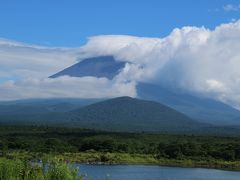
(122, 114)
(89, 146)
(131, 115)
(119, 114)
(23, 170)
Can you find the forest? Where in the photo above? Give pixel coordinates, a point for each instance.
(91, 146)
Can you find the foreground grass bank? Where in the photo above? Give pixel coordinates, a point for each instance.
(125, 158)
(25, 170)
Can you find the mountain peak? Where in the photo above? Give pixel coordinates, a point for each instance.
(100, 66)
(124, 98)
(130, 114)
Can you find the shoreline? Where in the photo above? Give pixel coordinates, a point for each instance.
(164, 165)
(100, 158)
(160, 165)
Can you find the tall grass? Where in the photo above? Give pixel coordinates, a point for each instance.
(23, 170)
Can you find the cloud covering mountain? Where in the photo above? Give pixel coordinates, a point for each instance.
(192, 60)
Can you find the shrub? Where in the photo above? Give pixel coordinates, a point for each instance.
(23, 170)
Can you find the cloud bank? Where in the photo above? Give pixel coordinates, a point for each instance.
(65, 86)
(192, 60)
(23, 60)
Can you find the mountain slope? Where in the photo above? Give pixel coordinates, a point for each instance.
(37, 111)
(102, 66)
(129, 114)
(119, 114)
(199, 108)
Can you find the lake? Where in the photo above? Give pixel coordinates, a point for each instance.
(146, 172)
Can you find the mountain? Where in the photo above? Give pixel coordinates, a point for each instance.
(199, 108)
(202, 109)
(101, 66)
(32, 110)
(130, 114)
(118, 114)
(123, 114)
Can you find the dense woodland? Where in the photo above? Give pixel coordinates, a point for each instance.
(60, 140)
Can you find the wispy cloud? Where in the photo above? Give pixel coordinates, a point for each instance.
(24, 60)
(65, 86)
(231, 7)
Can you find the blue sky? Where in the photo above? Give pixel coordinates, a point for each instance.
(192, 59)
(69, 22)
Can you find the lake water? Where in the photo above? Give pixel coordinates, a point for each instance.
(141, 172)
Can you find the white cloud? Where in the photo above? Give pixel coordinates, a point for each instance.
(194, 59)
(231, 7)
(23, 60)
(65, 86)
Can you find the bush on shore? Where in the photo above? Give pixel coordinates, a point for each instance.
(23, 170)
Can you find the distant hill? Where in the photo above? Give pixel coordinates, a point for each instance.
(32, 111)
(123, 114)
(101, 66)
(202, 109)
(118, 114)
(130, 114)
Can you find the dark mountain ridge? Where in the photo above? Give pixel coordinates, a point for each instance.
(200, 108)
(129, 114)
(123, 114)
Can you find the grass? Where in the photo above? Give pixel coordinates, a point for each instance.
(21, 164)
(93, 157)
(146, 159)
(25, 170)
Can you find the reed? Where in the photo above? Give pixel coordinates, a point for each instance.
(24, 170)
